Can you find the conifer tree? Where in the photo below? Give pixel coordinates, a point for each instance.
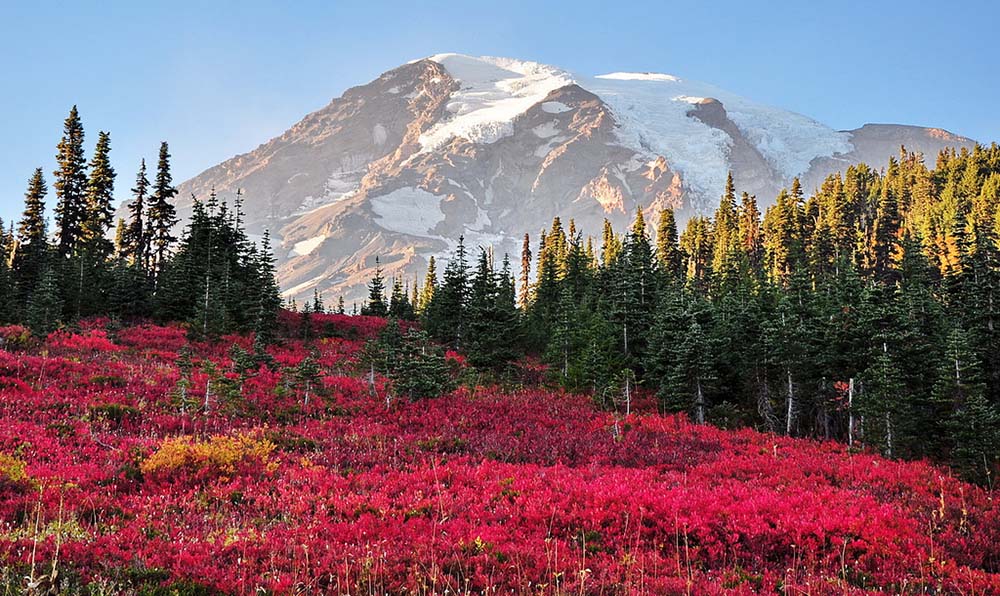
(7, 298)
(959, 383)
(636, 288)
(611, 245)
(376, 306)
(414, 293)
(491, 341)
(967, 422)
(726, 239)
(692, 376)
(525, 293)
(119, 241)
(670, 323)
(794, 330)
(446, 317)
(883, 244)
(430, 283)
(667, 251)
(416, 368)
(562, 347)
(31, 251)
(881, 404)
(135, 240)
(696, 246)
(749, 232)
(268, 293)
(161, 214)
(71, 185)
(557, 245)
(318, 302)
(45, 304)
(99, 213)
(976, 293)
(974, 430)
(784, 249)
(507, 301)
(400, 307)
(129, 293)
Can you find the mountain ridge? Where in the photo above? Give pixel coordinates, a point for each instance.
(492, 148)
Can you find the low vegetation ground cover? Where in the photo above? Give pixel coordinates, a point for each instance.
(133, 460)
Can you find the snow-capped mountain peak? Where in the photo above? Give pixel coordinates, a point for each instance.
(492, 148)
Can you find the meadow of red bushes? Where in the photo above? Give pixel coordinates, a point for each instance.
(119, 475)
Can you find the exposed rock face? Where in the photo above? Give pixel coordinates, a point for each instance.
(494, 148)
(874, 143)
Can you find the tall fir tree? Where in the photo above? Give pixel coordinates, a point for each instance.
(135, 241)
(161, 215)
(692, 375)
(376, 305)
(45, 305)
(446, 317)
(71, 185)
(525, 289)
(268, 294)
(667, 251)
(430, 284)
(30, 257)
(99, 214)
(400, 307)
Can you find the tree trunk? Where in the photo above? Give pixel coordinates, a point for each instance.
(850, 412)
(699, 403)
(888, 435)
(789, 417)
(628, 396)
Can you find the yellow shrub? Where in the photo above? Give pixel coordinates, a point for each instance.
(12, 470)
(220, 453)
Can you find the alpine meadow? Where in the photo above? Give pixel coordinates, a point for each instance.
(485, 325)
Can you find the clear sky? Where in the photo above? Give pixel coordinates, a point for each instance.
(218, 78)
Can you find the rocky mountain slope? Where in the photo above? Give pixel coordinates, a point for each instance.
(492, 148)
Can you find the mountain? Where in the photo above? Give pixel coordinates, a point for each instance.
(493, 148)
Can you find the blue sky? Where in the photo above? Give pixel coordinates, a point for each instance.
(218, 80)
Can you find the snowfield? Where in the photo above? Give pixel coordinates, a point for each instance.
(651, 110)
(494, 91)
(306, 247)
(412, 211)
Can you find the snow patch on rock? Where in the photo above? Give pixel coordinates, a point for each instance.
(544, 131)
(412, 211)
(555, 107)
(379, 135)
(552, 143)
(292, 291)
(306, 247)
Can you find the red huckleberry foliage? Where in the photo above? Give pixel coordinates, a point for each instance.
(132, 458)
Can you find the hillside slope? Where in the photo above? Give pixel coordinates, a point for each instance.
(127, 465)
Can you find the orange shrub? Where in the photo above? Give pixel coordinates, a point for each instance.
(219, 455)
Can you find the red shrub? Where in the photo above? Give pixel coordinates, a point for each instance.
(252, 481)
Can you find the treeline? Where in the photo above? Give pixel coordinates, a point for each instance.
(212, 277)
(868, 312)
